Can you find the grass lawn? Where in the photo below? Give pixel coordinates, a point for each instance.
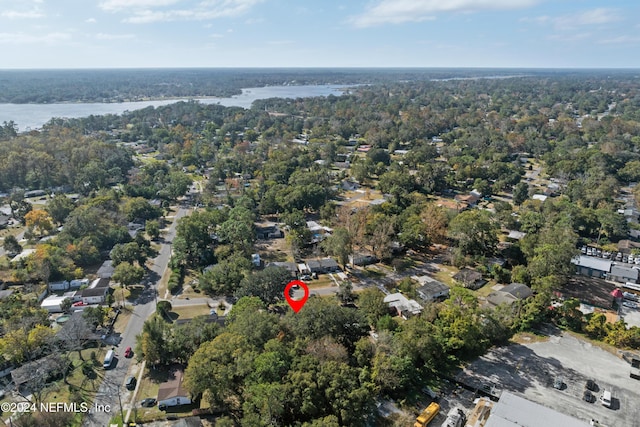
(323, 281)
(527, 338)
(445, 273)
(122, 321)
(189, 311)
(486, 289)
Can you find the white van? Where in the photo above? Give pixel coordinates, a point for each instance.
(605, 399)
(108, 359)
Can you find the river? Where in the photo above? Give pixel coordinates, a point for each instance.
(34, 116)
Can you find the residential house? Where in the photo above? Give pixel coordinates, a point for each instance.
(47, 367)
(509, 294)
(467, 200)
(172, 392)
(516, 235)
(291, 267)
(362, 258)
(106, 270)
(94, 295)
(623, 274)
(324, 265)
(431, 289)
(66, 285)
(58, 286)
(592, 266)
(470, 279)
(402, 305)
(318, 232)
(269, 231)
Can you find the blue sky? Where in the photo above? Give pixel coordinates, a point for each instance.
(319, 33)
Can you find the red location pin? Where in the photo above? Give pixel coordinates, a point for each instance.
(296, 305)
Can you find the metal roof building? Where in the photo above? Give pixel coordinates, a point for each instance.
(514, 411)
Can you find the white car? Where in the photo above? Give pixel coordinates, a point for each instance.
(630, 304)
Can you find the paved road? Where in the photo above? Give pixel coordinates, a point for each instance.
(113, 383)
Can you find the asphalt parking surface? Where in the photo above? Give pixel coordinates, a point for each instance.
(529, 371)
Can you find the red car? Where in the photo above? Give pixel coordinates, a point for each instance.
(128, 352)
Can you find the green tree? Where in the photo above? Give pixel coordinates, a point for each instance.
(59, 207)
(338, 244)
(475, 232)
(152, 228)
(267, 284)
(128, 274)
(371, 302)
(520, 193)
(219, 367)
(225, 277)
(11, 244)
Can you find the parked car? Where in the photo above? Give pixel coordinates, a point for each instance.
(630, 296)
(131, 382)
(630, 304)
(149, 402)
(591, 385)
(558, 383)
(605, 399)
(305, 277)
(128, 352)
(587, 396)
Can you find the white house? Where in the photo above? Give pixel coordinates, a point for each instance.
(172, 392)
(404, 306)
(94, 295)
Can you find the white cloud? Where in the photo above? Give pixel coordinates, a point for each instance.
(118, 5)
(621, 40)
(572, 21)
(399, 11)
(105, 36)
(90, 21)
(148, 11)
(280, 42)
(22, 9)
(16, 14)
(589, 17)
(25, 38)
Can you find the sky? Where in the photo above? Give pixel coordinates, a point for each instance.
(319, 33)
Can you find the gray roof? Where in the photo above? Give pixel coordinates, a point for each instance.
(514, 411)
(106, 269)
(5, 293)
(290, 266)
(94, 292)
(518, 290)
(592, 262)
(433, 287)
(466, 275)
(630, 273)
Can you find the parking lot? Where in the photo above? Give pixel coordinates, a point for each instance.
(529, 370)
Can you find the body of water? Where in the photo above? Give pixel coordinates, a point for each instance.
(34, 116)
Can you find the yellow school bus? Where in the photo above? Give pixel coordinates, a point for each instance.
(427, 415)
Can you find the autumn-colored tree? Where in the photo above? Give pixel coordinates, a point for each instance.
(39, 221)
